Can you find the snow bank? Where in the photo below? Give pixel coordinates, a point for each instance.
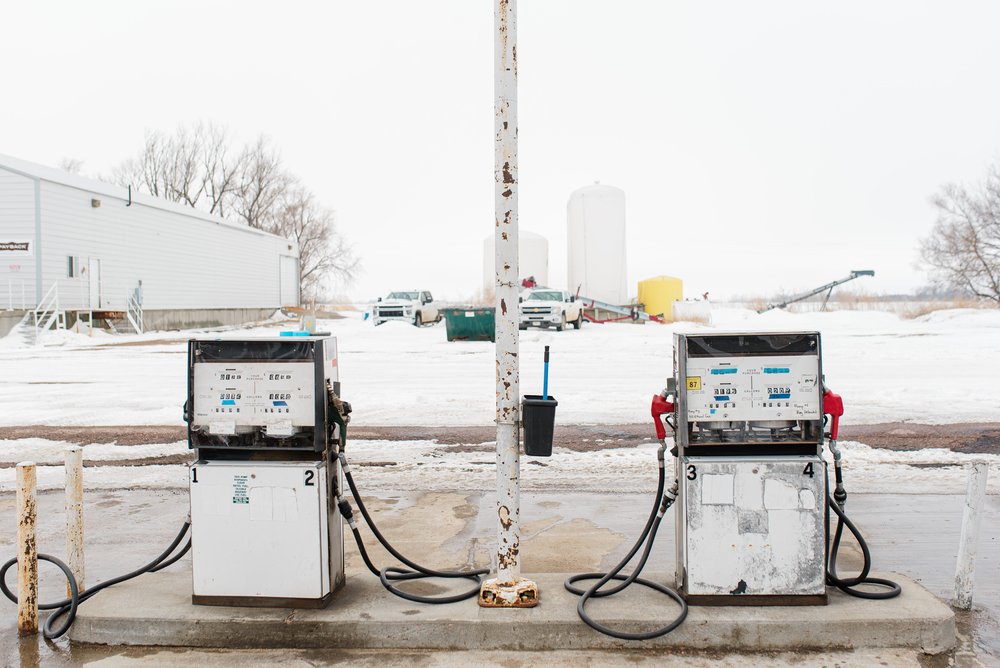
(939, 368)
(419, 466)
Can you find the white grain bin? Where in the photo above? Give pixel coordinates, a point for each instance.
(533, 259)
(595, 218)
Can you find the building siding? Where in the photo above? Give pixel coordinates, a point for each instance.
(185, 259)
(17, 223)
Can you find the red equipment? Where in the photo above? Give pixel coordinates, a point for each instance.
(659, 408)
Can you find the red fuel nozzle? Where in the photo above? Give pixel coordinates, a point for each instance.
(660, 407)
(833, 406)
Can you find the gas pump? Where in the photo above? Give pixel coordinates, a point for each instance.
(265, 526)
(268, 499)
(751, 521)
(747, 412)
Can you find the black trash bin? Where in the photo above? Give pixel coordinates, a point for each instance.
(538, 417)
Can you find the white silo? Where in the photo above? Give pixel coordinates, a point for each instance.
(595, 219)
(533, 259)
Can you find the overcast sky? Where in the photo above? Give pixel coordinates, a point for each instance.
(761, 145)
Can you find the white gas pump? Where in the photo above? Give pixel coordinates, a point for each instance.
(751, 514)
(265, 527)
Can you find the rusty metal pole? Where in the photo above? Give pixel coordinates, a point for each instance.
(508, 589)
(27, 551)
(74, 515)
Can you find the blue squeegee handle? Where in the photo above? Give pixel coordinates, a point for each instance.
(545, 377)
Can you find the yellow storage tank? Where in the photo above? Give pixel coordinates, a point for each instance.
(659, 293)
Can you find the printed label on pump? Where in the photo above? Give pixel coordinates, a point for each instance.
(240, 492)
(694, 382)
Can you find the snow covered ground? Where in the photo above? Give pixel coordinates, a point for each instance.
(940, 368)
(426, 466)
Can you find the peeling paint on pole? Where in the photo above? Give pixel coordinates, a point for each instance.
(508, 589)
(507, 368)
(965, 572)
(27, 550)
(74, 515)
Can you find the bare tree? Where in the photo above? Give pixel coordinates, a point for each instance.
(182, 164)
(71, 165)
(199, 167)
(220, 170)
(963, 249)
(323, 252)
(261, 183)
(149, 170)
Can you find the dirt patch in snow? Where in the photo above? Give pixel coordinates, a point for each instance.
(972, 438)
(129, 435)
(579, 438)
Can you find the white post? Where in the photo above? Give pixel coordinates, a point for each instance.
(508, 589)
(74, 515)
(27, 551)
(965, 572)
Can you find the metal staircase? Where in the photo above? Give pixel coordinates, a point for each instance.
(133, 309)
(48, 315)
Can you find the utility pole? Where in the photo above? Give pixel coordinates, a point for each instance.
(508, 589)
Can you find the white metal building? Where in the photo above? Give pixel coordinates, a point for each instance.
(98, 244)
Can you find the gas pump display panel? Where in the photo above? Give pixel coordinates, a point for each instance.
(260, 393)
(750, 388)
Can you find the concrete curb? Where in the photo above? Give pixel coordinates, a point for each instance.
(156, 609)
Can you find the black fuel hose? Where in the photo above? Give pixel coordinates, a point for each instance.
(69, 606)
(848, 585)
(390, 574)
(648, 535)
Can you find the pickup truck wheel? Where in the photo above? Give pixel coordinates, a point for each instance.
(417, 320)
(562, 324)
(579, 321)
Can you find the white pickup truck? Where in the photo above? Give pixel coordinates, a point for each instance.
(544, 307)
(414, 306)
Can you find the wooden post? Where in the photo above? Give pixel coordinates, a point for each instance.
(74, 515)
(965, 571)
(27, 550)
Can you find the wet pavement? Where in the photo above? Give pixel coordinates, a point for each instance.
(562, 532)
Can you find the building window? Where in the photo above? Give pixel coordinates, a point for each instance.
(73, 267)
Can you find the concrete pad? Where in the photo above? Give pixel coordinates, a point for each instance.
(422, 658)
(156, 609)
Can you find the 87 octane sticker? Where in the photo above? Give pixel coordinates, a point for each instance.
(694, 382)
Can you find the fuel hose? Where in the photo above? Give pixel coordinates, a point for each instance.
(391, 574)
(68, 607)
(849, 585)
(645, 541)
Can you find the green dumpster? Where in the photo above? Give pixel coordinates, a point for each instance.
(476, 323)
